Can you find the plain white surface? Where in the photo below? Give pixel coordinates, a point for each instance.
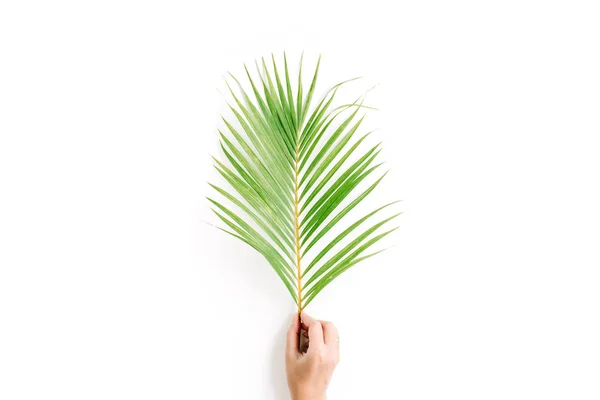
(113, 287)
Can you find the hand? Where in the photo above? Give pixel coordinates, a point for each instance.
(308, 374)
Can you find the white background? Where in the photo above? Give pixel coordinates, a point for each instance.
(112, 286)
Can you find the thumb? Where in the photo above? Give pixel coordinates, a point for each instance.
(315, 332)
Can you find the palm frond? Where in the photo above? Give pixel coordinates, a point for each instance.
(294, 167)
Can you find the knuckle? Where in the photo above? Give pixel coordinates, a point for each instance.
(325, 357)
(320, 354)
(331, 327)
(330, 360)
(329, 324)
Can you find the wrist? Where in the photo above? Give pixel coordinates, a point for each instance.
(309, 396)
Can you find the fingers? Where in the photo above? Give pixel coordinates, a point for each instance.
(330, 333)
(291, 346)
(315, 332)
(332, 340)
(307, 320)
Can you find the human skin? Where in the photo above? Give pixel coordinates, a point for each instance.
(309, 372)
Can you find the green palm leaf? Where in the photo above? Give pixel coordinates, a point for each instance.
(293, 167)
